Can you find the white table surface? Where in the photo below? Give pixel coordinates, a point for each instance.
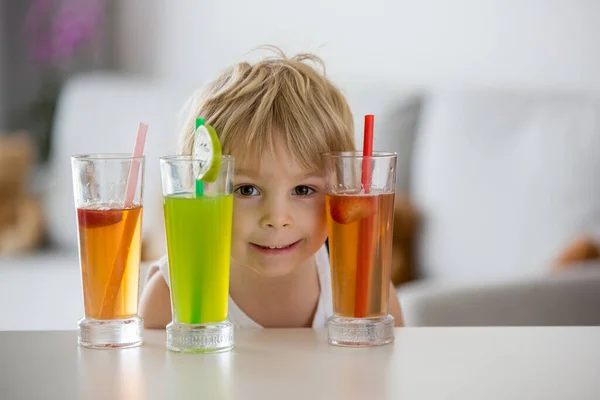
(424, 363)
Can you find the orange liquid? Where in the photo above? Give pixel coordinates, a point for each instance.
(109, 250)
(360, 261)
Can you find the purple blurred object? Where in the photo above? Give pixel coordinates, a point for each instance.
(57, 29)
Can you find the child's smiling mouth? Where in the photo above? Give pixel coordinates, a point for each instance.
(275, 248)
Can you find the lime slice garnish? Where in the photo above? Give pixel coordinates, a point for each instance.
(207, 149)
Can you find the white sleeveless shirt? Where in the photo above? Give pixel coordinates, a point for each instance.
(240, 320)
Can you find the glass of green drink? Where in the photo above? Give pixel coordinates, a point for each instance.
(198, 214)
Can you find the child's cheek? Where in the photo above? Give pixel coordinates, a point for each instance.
(240, 219)
(319, 216)
(322, 209)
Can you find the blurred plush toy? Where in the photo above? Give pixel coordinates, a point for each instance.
(20, 213)
(582, 249)
(406, 222)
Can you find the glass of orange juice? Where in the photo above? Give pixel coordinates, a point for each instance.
(108, 190)
(360, 223)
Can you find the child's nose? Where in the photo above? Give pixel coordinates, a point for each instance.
(276, 214)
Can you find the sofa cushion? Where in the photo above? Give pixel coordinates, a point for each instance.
(42, 291)
(566, 298)
(505, 180)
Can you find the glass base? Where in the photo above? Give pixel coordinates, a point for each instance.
(207, 338)
(360, 332)
(111, 334)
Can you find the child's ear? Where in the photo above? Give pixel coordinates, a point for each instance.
(582, 249)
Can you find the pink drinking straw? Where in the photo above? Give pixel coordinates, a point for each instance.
(134, 170)
(118, 269)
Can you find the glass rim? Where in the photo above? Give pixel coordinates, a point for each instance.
(224, 157)
(359, 154)
(106, 156)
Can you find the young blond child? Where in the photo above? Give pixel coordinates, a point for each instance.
(277, 117)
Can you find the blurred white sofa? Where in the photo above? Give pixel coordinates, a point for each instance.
(504, 179)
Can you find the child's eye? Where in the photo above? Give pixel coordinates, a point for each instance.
(247, 190)
(303, 190)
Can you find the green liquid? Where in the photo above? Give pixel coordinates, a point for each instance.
(199, 247)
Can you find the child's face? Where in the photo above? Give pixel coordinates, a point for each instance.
(279, 215)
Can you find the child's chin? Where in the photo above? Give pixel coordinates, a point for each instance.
(273, 271)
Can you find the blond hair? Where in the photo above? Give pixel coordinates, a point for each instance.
(278, 100)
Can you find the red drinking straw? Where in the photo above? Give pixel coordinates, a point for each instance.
(366, 233)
